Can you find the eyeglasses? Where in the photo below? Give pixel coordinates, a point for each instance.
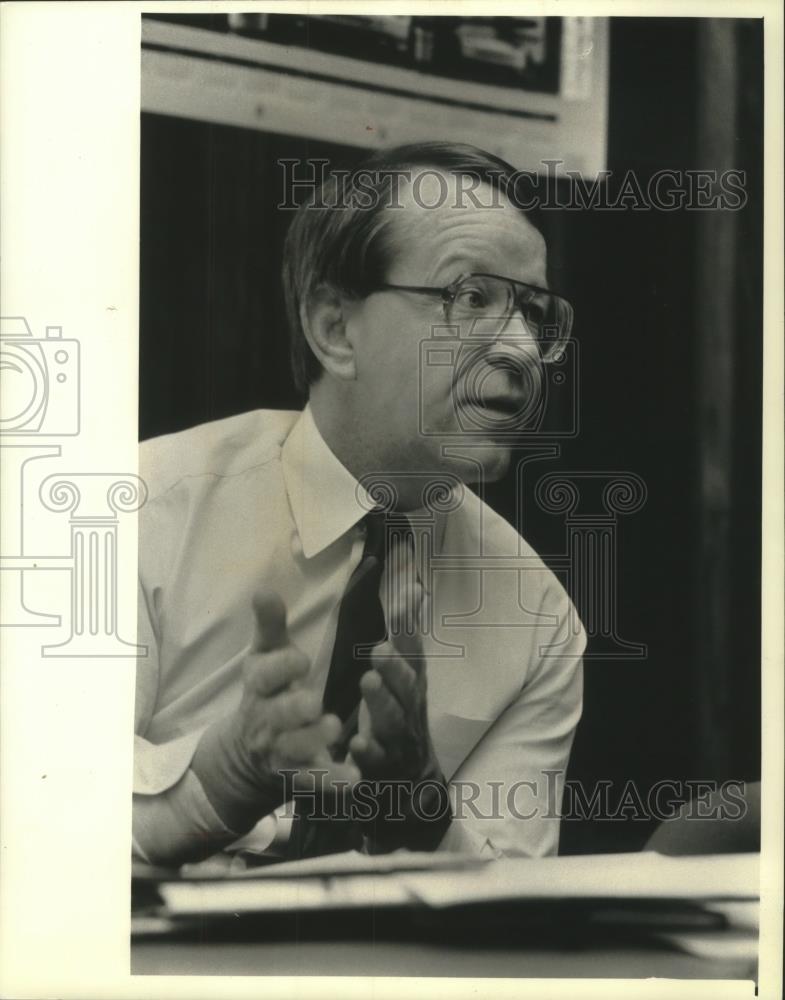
(492, 298)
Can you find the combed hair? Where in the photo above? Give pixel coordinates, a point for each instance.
(335, 241)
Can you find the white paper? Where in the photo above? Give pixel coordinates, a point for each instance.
(617, 876)
(647, 875)
(283, 895)
(352, 862)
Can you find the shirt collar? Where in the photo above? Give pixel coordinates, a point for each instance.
(325, 498)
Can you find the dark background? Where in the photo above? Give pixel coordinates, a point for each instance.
(668, 317)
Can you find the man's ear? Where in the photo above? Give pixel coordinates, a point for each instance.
(324, 321)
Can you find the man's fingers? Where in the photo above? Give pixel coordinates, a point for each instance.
(327, 779)
(306, 744)
(406, 595)
(363, 720)
(387, 718)
(292, 710)
(409, 646)
(405, 640)
(399, 678)
(368, 754)
(268, 673)
(270, 614)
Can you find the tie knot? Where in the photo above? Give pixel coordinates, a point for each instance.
(381, 528)
(375, 531)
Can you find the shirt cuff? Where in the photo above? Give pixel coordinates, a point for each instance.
(237, 793)
(178, 825)
(159, 766)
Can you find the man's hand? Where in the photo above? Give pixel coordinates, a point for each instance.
(278, 727)
(394, 740)
(393, 744)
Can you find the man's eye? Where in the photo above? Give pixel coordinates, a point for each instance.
(535, 312)
(471, 298)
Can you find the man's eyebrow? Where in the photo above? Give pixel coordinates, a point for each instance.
(462, 263)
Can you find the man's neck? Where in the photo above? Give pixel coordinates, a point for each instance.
(333, 426)
(346, 439)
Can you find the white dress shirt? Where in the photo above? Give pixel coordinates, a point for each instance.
(260, 500)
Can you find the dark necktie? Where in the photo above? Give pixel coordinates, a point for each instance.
(361, 626)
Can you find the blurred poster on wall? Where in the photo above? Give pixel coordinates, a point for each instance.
(533, 90)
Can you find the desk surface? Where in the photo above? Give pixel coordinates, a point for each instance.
(389, 958)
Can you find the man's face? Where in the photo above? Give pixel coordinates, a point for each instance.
(419, 414)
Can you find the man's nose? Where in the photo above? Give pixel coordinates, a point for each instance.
(514, 342)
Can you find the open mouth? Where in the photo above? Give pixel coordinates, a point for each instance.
(498, 413)
(509, 407)
(503, 395)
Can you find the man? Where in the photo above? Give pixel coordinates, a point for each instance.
(262, 532)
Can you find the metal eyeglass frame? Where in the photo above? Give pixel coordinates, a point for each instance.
(448, 294)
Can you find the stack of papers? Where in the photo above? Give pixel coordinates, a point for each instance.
(335, 881)
(705, 906)
(350, 881)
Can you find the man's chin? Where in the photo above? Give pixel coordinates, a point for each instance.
(485, 462)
